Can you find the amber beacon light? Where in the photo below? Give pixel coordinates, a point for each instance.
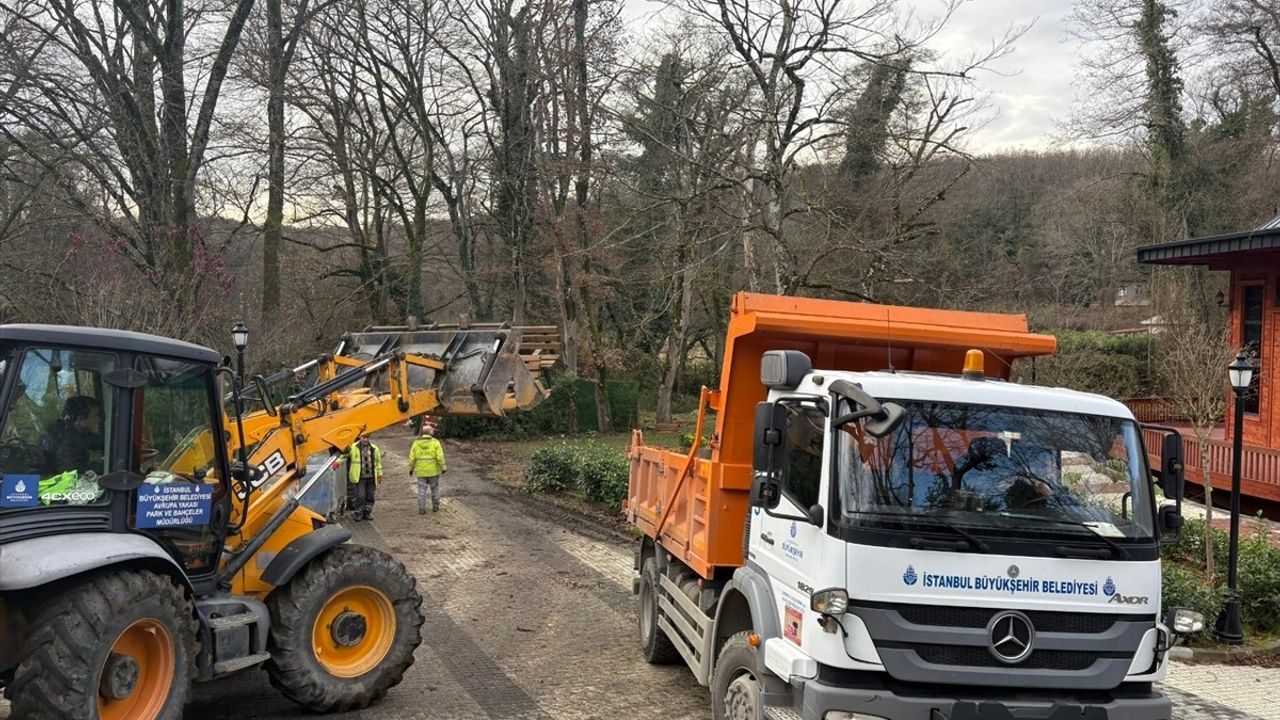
(973, 365)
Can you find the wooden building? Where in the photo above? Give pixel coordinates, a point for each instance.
(1253, 260)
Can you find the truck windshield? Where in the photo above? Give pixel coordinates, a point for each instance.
(1006, 469)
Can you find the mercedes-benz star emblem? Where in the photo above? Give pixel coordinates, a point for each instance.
(1012, 637)
(1013, 571)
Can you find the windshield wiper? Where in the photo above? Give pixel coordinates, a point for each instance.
(1115, 548)
(906, 519)
(970, 540)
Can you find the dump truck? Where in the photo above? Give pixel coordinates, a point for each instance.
(882, 526)
(152, 526)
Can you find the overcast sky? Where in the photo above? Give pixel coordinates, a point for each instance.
(1031, 88)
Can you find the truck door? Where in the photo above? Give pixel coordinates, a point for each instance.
(788, 550)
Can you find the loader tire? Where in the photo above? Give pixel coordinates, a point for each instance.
(344, 629)
(656, 647)
(116, 645)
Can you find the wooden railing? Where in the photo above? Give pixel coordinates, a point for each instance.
(1259, 466)
(1154, 409)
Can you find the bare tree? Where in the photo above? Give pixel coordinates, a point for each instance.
(1193, 355)
(87, 94)
(1249, 34)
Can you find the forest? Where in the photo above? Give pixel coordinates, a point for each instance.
(314, 166)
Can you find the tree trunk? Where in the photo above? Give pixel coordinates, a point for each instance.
(1208, 504)
(678, 337)
(272, 226)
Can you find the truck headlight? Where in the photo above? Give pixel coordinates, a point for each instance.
(1185, 622)
(830, 602)
(842, 715)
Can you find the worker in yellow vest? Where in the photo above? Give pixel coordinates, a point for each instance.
(426, 465)
(364, 474)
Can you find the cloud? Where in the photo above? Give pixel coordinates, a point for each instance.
(1029, 90)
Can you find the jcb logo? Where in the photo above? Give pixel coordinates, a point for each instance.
(274, 463)
(1128, 599)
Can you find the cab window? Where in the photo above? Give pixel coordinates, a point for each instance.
(176, 438)
(802, 474)
(56, 439)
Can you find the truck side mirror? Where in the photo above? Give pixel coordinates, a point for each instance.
(768, 454)
(1172, 479)
(887, 421)
(1170, 523)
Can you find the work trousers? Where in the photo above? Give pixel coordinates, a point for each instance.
(360, 496)
(434, 484)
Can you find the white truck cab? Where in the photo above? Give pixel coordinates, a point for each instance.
(954, 548)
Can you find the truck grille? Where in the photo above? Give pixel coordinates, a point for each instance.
(970, 617)
(979, 657)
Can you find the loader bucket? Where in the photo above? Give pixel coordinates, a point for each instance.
(487, 373)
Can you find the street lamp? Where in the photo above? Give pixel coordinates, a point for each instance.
(1228, 629)
(240, 338)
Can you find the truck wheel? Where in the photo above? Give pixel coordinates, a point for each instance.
(115, 646)
(735, 683)
(654, 643)
(344, 629)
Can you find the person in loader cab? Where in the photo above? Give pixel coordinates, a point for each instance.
(364, 474)
(74, 440)
(426, 465)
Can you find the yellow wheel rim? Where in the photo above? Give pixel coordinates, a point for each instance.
(354, 631)
(137, 676)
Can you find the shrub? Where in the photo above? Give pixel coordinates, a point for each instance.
(598, 472)
(602, 476)
(551, 468)
(1186, 584)
(1184, 587)
(1118, 366)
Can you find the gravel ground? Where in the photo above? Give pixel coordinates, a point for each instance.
(529, 615)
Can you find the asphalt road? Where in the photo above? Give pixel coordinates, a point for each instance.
(529, 615)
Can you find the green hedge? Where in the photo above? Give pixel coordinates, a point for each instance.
(570, 408)
(598, 472)
(553, 416)
(1186, 583)
(1119, 366)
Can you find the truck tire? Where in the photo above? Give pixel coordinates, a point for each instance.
(735, 682)
(116, 645)
(344, 629)
(656, 647)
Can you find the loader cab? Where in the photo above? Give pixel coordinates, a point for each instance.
(106, 430)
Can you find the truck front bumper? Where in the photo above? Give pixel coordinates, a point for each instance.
(820, 698)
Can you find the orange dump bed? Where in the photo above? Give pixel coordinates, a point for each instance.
(696, 506)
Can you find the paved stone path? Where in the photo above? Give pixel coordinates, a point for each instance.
(529, 616)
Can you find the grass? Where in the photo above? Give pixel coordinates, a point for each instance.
(522, 449)
(505, 461)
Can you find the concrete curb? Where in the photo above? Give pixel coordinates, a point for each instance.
(1221, 656)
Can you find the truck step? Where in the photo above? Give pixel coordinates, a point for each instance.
(230, 621)
(781, 713)
(227, 667)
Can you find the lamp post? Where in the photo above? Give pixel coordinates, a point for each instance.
(240, 338)
(1228, 628)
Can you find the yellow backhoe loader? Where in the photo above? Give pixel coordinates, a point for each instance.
(152, 525)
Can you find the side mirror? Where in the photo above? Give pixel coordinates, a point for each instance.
(770, 433)
(766, 492)
(1170, 524)
(1172, 479)
(265, 395)
(890, 415)
(768, 454)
